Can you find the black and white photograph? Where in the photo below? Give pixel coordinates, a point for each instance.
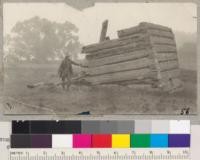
(100, 58)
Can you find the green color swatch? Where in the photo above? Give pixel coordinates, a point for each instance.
(140, 140)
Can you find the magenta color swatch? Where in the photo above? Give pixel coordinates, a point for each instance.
(82, 141)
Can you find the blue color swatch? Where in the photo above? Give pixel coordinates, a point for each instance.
(179, 140)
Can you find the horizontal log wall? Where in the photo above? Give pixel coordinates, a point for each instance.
(155, 26)
(90, 49)
(117, 51)
(142, 54)
(152, 32)
(160, 48)
(162, 57)
(162, 40)
(120, 76)
(143, 27)
(163, 34)
(166, 75)
(168, 65)
(165, 53)
(120, 67)
(131, 31)
(129, 56)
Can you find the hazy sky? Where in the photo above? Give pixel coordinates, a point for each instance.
(178, 16)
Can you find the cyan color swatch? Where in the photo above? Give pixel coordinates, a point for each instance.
(159, 140)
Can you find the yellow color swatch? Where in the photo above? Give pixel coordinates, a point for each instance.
(120, 140)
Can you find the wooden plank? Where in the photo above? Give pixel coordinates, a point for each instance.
(118, 67)
(164, 48)
(175, 73)
(118, 50)
(151, 32)
(155, 26)
(162, 40)
(168, 65)
(97, 46)
(112, 44)
(130, 31)
(166, 57)
(145, 30)
(120, 76)
(144, 81)
(103, 31)
(117, 58)
(159, 33)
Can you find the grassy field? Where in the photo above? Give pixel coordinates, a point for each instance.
(110, 99)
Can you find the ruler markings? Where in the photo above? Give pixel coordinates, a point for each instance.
(101, 154)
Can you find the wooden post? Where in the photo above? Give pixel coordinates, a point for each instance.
(103, 31)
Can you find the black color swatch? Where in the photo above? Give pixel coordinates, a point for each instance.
(20, 127)
(20, 141)
(54, 127)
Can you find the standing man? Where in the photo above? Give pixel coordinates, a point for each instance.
(65, 71)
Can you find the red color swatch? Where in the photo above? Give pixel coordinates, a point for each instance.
(102, 141)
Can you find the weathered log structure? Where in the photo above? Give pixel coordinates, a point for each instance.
(144, 54)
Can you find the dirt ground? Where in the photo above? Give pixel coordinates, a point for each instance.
(104, 99)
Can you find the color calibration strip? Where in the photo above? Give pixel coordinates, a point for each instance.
(101, 141)
(100, 134)
(101, 127)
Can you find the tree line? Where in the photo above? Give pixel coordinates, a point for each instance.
(39, 40)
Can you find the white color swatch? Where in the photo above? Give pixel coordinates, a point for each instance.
(62, 141)
(160, 126)
(179, 127)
